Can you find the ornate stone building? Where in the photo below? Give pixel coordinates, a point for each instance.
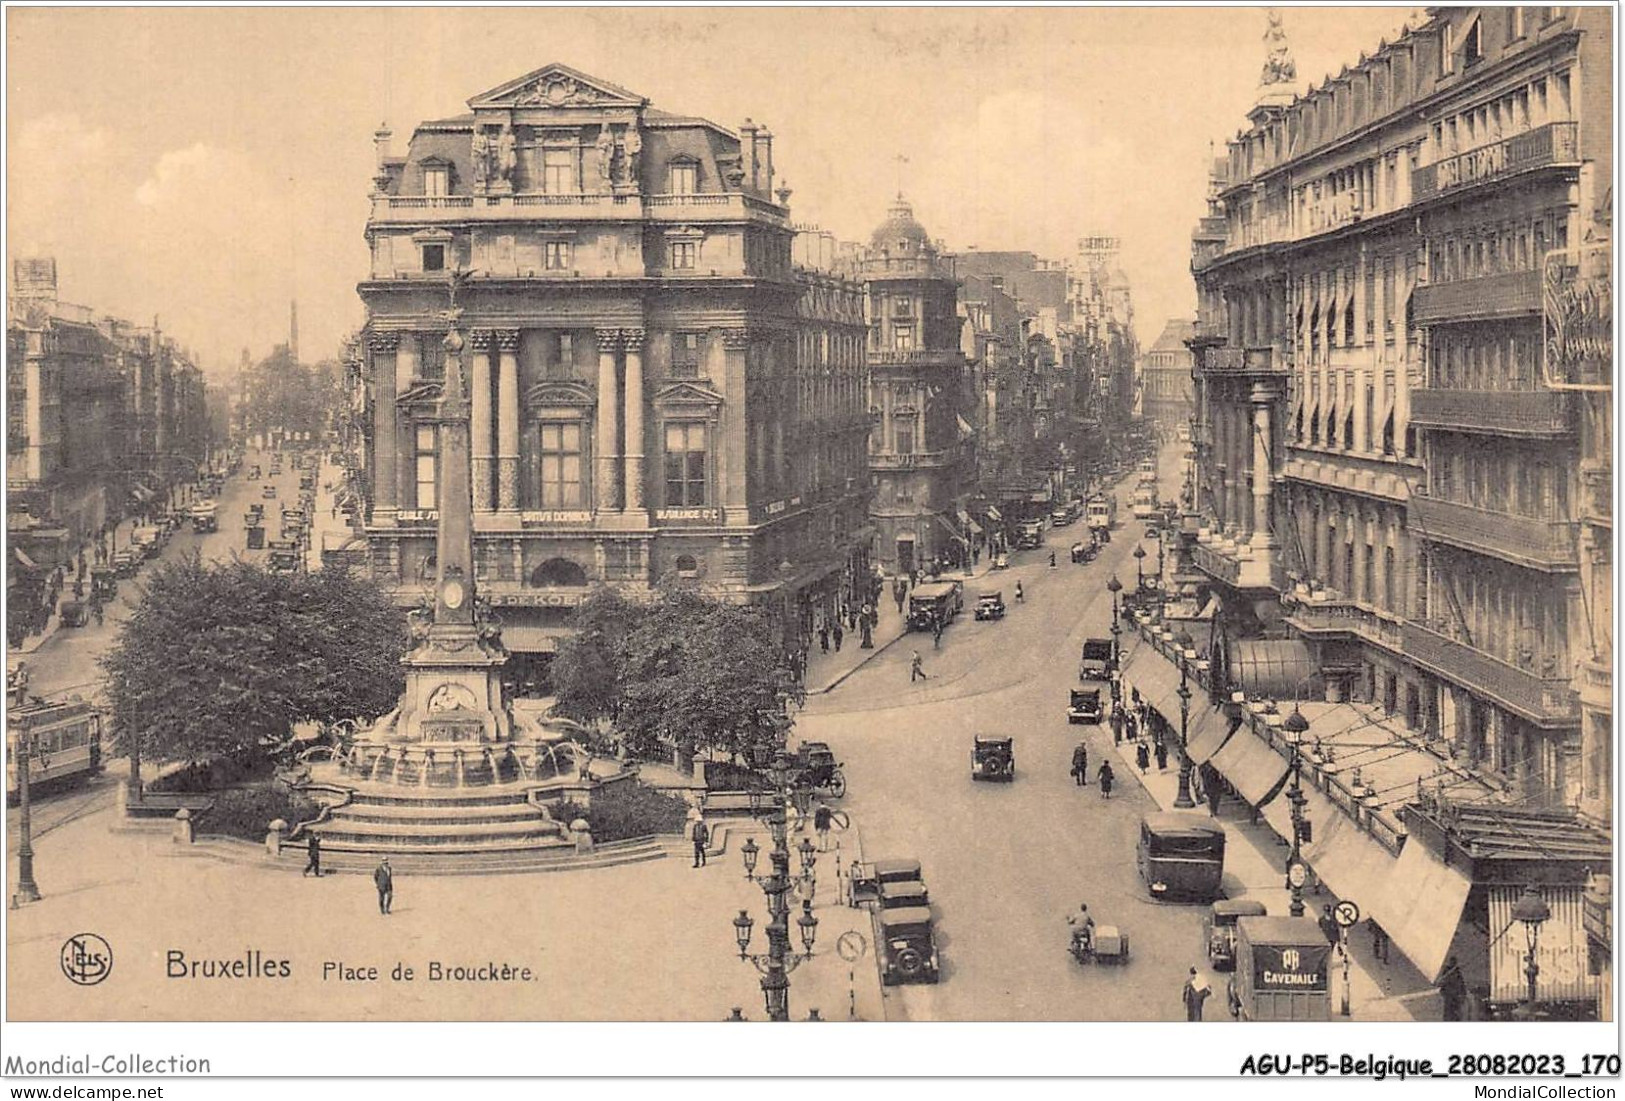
(919, 457)
(1166, 398)
(658, 394)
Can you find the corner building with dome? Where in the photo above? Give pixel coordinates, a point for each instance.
(658, 394)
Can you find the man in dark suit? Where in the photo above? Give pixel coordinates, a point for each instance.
(314, 864)
(384, 879)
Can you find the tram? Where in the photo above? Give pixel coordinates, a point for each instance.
(65, 741)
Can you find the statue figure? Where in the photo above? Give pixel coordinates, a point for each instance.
(1279, 68)
(419, 620)
(631, 150)
(507, 154)
(480, 157)
(487, 623)
(606, 153)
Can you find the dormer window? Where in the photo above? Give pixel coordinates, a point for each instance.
(685, 177)
(436, 178)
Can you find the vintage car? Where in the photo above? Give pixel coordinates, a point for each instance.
(1219, 928)
(74, 613)
(990, 606)
(1084, 552)
(205, 516)
(1001, 561)
(869, 876)
(1030, 535)
(103, 583)
(993, 758)
(1096, 660)
(816, 767)
(907, 949)
(284, 556)
(254, 473)
(903, 892)
(1084, 706)
(126, 563)
(1061, 517)
(269, 493)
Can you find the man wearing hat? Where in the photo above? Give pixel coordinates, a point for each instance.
(384, 878)
(1195, 993)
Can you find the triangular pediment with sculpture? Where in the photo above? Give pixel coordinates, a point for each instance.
(687, 394)
(559, 86)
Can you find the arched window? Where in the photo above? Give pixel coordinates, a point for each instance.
(687, 566)
(558, 573)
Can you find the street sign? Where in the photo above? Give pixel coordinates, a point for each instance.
(1297, 875)
(852, 946)
(1347, 914)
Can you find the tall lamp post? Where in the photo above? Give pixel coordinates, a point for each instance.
(1139, 567)
(1532, 911)
(1187, 654)
(1296, 726)
(27, 889)
(777, 963)
(1114, 587)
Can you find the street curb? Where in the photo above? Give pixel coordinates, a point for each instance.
(878, 650)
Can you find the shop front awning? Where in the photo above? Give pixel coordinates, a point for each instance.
(993, 514)
(1419, 904)
(1254, 769)
(1146, 671)
(1209, 729)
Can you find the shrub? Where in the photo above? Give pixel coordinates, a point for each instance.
(247, 812)
(205, 776)
(625, 810)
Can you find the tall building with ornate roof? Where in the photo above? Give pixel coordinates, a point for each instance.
(658, 394)
(920, 455)
(1165, 377)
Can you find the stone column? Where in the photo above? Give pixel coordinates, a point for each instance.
(508, 420)
(1262, 399)
(480, 342)
(384, 495)
(1240, 449)
(632, 341)
(1404, 281)
(606, 459)
(731, 442)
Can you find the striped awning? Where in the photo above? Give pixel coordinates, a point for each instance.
(1209, 729)
(1252, 766)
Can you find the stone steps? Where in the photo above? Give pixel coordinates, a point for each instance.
(407, 816)
(490, 861)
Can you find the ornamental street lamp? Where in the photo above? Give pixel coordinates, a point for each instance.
(1187, 654)
(1162, 542)
(777, 963)
(1531, 909)
(1139, 567)
(27, 889)
(1114, 587)
(1296, 726)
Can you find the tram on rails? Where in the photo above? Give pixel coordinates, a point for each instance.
(65, 744)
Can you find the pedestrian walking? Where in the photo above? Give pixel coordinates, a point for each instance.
(1328, 925)
(1379, 941)
(1080, 764)
(916, 669)
(383, 877)
(868, 640)
(1162, 756)
(1105, 777)
(836, 634)
(1019, 596)
(702, 838)
(1215, 793)
(1142, 756)
(314, 863)
(1194, 994)
(936, 634)
(1117, 726)
(822, 817)
(1453, 989)
(1052, 560)
(823, 637)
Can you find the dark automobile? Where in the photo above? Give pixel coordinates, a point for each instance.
(74, 613)
(868, 878)
(1095, 662)
(1220, 927)
(903, 892)
(817, 767)
(1085, 706)
(993, 758)
(990, 606)
(908, 951)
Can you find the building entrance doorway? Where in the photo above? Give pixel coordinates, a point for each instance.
(905, 556)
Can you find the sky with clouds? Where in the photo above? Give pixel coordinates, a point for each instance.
(208, 166)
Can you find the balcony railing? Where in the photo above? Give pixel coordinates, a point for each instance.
(1552, 144)
(918, 460)
(1340, 616)
(417, 209)
(1506, 294)
(1543, 699)
(1498, 412)
(1541, 544)
(919, 357)
(1264, 359)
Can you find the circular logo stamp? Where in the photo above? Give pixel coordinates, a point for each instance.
(86, 959)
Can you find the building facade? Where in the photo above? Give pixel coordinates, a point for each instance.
(1404, 383)
(659, 395)
(921, 461)
(1166, 395)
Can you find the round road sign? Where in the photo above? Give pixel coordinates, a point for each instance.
(1297, 875)
(851, 946)
(1347, 914)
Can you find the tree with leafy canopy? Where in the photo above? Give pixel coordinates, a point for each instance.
(687, 671)
(223, 658)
